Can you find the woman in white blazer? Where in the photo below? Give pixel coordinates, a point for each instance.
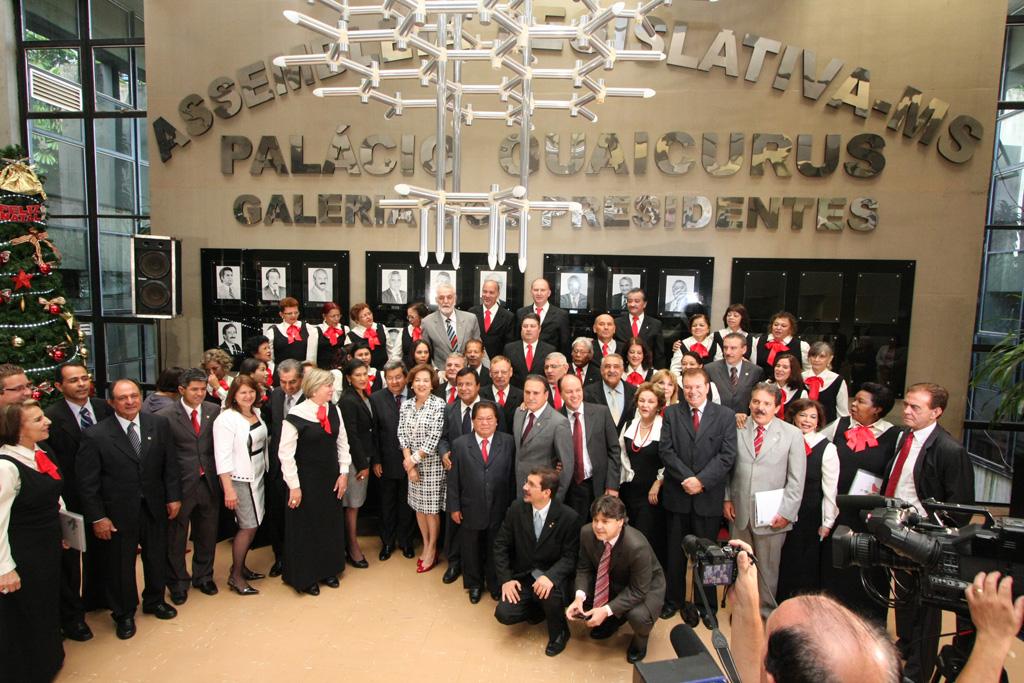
(239, 446)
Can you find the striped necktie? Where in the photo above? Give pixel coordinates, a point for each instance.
(601, 585)
(85, 417)
(133, 438)
(758, 440)
(453, 339)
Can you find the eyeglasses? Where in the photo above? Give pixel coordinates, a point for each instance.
(16, 390)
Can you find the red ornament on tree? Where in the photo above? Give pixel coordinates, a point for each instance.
(45, 268)
(36, 395)
(54, 309)
(58, 355)
(22, 279)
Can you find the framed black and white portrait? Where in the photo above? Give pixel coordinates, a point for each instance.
(394, 285)
(678, 292)
(273, 283)
(437, 277)
(619, 284)
(575, 289)
(228, 280)
(229, 337)
(319, 284)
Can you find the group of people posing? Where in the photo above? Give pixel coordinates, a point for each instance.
(558, 476)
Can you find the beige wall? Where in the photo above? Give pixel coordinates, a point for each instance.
(929, 209)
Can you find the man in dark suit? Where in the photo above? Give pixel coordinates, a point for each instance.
(527, 355)
(554, 322)
(501, 390)
(583, 365)
(397, 520)
(636, 323)
(535, 555)
(191, 421)
(283, 398)
(618, 575)
(928, 463)
(542, 436)
(612, 392)
(597, 461)
(475, 359)
(605, 342)
(497, 323)
(734, 376)
(130, 486)
(698, 449)
(453, 364)
(70, 417)
(481, 486)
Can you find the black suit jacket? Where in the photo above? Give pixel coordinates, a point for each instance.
(482, 491)
(362, 437)
(513, 399)
(112, 478)
(602, 446)
(388, 453)
(650, 332)
(634, 576)
(517, 552)
(595, 394)
(591, 373)
(503, 329)
(193, 452)
(65, 437)
(453, 424)
(942, 471)
(708, 454)
(514, 352)
(555, 328)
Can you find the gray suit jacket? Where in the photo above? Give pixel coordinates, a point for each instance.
(193, 452)
(435, 332)
(548, 443)
(739, 398)
(781, 464)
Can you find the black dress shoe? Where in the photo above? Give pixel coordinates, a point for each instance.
(358, 564)
(605, 630)
(636, 652)
(179, 597)
(452, 573)
(408, 552)
(557, 644)
(385, 552)
(250, 575)
(312, 590)
(125, 627)
(241, 590)
(161, 610)
(80, 632)
(332, 582)
(668, 611)
(208, 588)
(276, 568)
(495, 596)
(474, 595)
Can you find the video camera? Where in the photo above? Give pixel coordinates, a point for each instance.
(944, 558)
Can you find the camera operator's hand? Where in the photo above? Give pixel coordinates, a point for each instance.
(746, 624)
(729, 511)
(745, 586)
(997, 619)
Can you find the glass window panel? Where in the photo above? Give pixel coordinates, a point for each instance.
(71, 235)
(120, 76)
(821, 295)
(131, 351)
(116, 136)
(50, 19)
(1013, 67)
(117, 18)
(764, 293)
(995, 446)
(115, 265)
(1002, 286)
(115, 184)
(877, 359)
(1007, 166)
(877, 298)
(54, 80)
(58, 150)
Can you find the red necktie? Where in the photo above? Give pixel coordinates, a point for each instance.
(540, 311)
(636, 326)
(501, 397)
(294, 334)
(807, 449)
(775, 346)
(814, 387)
(483, 449)
(195, 421)
(46, 466)
(487, 323)
(417, 332)
(781, 412)
(635, 378)
(579, 372)
(696, 419)
(758, 440)
(859, 438)
(897, 469)
(332, 334)
(371, 338)
(451, 395)
(529, 426)
(699, 349)
(558, 398)
(601, 584)
(604, 349)
(321, 415)
(529, 356)
(577, 448)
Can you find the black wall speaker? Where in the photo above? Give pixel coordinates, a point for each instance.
(156, 276)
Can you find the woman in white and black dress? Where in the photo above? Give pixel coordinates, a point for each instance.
(781, 338)
(737, 321)
(365, 330)
(701, 341)
(420, 425)
(315, 462)
(824, 385)
(239, 446)
(357, 415)
(787, 375)
(638, 362)
(413, 331)
(332, 334)
(642, 468)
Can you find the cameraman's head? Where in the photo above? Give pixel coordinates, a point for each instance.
(814, 639)
(923, 404)
(609, 516)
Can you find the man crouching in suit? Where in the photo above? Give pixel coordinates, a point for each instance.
(535, 554)
(619, 576)
(481, 486)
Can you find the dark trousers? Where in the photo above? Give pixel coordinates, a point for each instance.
(639, 619)
(580, 497)
(681, 524)
(553, 607)
(478, 557)
(397, 519)
(122, 590)
(72, 608)
(917, 634)
(273, 517)
(452, 541)
(200, 510)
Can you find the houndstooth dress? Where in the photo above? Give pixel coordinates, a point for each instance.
(419, 429)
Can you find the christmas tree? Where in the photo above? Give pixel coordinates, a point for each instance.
(38, 330)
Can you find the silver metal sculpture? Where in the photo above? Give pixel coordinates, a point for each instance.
(510, 50)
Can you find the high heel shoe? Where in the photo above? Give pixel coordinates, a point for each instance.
(358, 564)
(250, 575)
(241, 590)
(424, 568)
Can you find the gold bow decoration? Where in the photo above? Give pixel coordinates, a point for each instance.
(56, 301)
(18, 175)
(37, 238)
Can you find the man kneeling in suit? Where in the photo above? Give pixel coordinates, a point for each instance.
(534, 557)
(619, 576)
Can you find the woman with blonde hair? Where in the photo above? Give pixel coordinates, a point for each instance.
(216, 363)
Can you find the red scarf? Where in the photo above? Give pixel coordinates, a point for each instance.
(46, 466)
(321, 415)
(371, 338)
(814, 386)
(859, 438)
(224, 384)
(774, 347)
(635, 378)
(781, 413)
(417, 332)
(699, 348)
(332, 334)
(294, 333)
(807, 449)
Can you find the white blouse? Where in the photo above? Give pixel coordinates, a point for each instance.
(290, 438)
(629, 432)
(842, 398)
(10, 485)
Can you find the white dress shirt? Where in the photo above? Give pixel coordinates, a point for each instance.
(842, 397)
(124, 425)
(76, 410)
(290, 438)
(905, 488)
(588, 467)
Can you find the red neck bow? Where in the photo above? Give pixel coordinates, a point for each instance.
(417, 333)
(294, 333)
(700, 349)
(332, 334)
(224, 385)
(370, 379)
(807, 449)
(859, 438)
(635, 378)
(781, 413)
(814, 386)
(46, 466)
(321, 415)
(774, 347)
(371, 338)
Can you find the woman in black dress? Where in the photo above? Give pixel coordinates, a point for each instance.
(30, 548)
(314, 463)
(292, 338)
(781, 338)
(358, 418)
(365, 330)
(800, 565)
(413, 332)
(865, 443)
(638, 362)
(736, 320)
(330, 346)
(642, 470)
